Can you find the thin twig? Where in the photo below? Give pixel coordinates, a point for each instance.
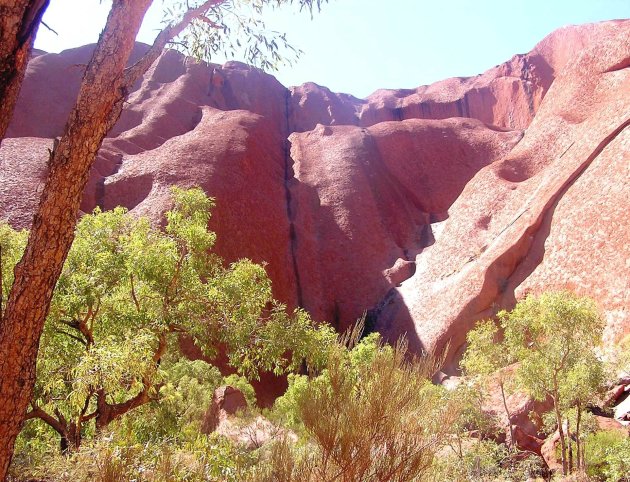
(49, 28)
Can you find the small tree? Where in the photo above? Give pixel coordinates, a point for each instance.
(553, 337)
(127, 290)
(583, 384)
(485, 358)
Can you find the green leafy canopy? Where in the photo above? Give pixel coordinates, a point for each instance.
(128, 290)
(235, 29)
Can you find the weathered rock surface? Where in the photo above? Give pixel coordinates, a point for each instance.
(252, 433)
(548, 215)
(433, 207)
(226, 401)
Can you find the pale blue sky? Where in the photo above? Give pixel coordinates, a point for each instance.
(358, 46)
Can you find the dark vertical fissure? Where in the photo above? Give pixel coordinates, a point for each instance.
(289, 175)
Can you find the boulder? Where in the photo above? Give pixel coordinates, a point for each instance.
(622, 411)
(226, 401)
(254, 433)
(222, 418)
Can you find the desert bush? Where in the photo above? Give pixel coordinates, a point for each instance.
(486, 460)
(107, 459)
(608, 456)
(370, 415)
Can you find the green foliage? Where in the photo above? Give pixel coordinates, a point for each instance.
(468, 401)
(244, 386)
(486, 460)
(105, 459)
(262, 342)
(618, 461)
(12, 244)
(370, 415)
(286, 408)
(600, 446)
(184, 397)
(126, 292)
(366, 350)
(236, 28)
(485, 354)
(554, 336)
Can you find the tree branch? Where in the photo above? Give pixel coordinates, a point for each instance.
(133, 294)
(49, 28)
(86, 404)
(56, 425)
(205, 19)
(106, 413)
(83, 327)
(74, 337)
(133, 73)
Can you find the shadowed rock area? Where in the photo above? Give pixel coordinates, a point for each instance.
(430, 207)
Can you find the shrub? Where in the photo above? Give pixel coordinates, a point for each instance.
(370, 415)
(607, 455)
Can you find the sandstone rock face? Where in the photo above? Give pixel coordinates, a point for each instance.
(430, 207)
(545, 216)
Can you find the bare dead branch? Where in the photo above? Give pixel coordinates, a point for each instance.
(49, 28)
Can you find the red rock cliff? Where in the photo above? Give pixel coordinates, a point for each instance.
(430, 207)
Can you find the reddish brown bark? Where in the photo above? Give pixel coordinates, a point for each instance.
(106, 413)
(52, 231)
(19, 21)
(104, 88)
(70, 433)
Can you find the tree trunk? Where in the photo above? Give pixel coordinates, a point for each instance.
(107, 413)
(71, 439)
(563, 444)
(104, 88)
(52, 231)
(507, 412)
(570, 443)
(578, 442)
(19, 21)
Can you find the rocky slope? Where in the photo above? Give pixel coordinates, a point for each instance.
(429, 207)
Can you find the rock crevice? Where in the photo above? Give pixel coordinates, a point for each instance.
(435, 205)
